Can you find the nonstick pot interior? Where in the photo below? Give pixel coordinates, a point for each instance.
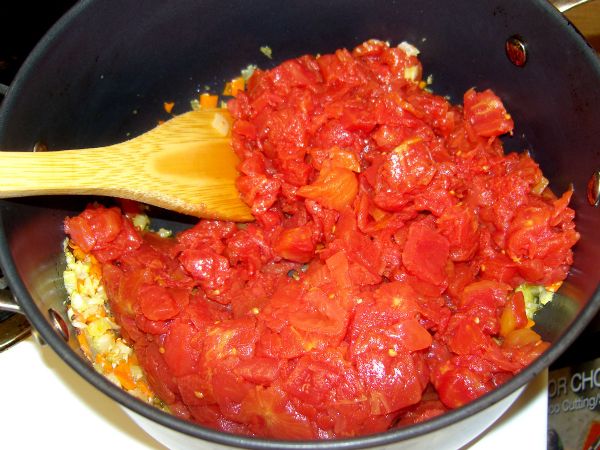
(102, 73)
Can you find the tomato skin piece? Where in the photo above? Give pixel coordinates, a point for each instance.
(486, 114)
(249, 248)
(285, 344)
(229, 390)
(331, 322)
(485, 293)
(539, 245)
(425, 410)
(500, 268)
(338, 266)
(385, 362)
(335, 188)
(434, 110)
(468, 338)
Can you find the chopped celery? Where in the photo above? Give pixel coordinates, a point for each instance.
(535, 297)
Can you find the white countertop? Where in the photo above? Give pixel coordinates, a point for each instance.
(45, 404)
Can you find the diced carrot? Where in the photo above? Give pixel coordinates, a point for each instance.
(123, 373)
(83, 343)
(208, 100)
(78, 253)
(237, 85)
(96, 270)
(169, 106)
(227, 88)
(144, 389)
(234, 86)
(102, 362)
(554, 286)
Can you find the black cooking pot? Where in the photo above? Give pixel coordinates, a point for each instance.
(103, 72)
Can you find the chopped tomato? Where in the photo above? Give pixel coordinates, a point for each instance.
(209, 268)
(180, 354)
(160, 303)
(376, 286)
(486, 114)
(457, 386)
(268, 413)
(426, 253)
(296, 244)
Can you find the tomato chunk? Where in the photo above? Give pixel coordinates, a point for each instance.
(426, 253)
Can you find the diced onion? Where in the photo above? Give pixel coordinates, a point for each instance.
(221, 124)
(411, 73)
(409, 49)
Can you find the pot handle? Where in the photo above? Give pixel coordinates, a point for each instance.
(13, 327)
(565, 5)
(8, 303)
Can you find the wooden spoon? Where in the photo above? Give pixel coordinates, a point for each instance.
(185, 165)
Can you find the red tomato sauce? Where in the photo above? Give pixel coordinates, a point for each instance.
(376, 286)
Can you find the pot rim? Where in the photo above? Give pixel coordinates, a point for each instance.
(84, 369)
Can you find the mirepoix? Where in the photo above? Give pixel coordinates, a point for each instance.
(378, 284)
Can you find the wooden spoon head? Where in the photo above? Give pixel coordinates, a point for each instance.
(190, 167)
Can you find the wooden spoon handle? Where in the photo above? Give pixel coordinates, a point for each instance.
(58, 172)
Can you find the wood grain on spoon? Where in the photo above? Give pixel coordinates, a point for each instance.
(184, 165)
